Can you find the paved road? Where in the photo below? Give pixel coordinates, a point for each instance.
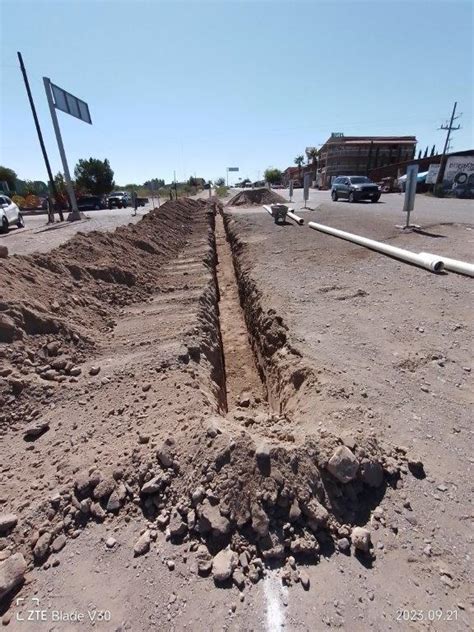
(38, 236)
(428, 210)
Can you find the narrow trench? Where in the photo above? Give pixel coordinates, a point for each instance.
(242, 379)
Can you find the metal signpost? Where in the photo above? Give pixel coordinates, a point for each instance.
(306, 183)
(62, 100)
(410, 192)
(230, 169)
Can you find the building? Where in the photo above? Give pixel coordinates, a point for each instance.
(358, 155)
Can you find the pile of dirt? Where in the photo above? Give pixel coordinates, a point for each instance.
(56, 306)
(255, 197)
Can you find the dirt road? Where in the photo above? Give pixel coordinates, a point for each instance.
(216, 423)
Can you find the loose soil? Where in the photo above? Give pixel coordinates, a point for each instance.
(178, 418)
(255, 197)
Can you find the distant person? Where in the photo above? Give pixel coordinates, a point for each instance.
(135, 203)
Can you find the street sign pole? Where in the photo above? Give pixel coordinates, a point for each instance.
(410, 192)
(52, 186)
(291, 191)
(227, 180)
(74, 215)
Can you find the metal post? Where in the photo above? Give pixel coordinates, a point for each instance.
(74, 214)
(227, 184)
(52, 186)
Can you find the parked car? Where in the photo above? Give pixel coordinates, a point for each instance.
(355, 188)
(141, 201)
(91, 202)
(9, 214)
(118, 199)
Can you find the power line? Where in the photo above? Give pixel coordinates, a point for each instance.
(449, 128)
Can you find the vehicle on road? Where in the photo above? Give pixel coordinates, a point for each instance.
(91, 203)
(9, 214)
(118, 199)
(141, 201)
(354, 189)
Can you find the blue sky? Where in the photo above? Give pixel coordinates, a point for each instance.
(199, 86)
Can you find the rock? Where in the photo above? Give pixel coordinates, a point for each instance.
(204, 560)
(171, 565)
(110, 542)
(146, 387)
(177, 527)
(371, 473)
(52, 348)
(295, 511)
(198, 494)
(211, 519)
(35, 430)
(82, 481)
(304, 546)
(154, 485)
(142, 545)
(58, 543)
(343, 545)
(3, 252)
(104, 488)
(41, 547)
(165, 455)
(114, 503)
(94, 370)
(343, 464)
(260, 520)
(415, 465)
(360, 538)
(223, 565)
(238, 578)
(304, 579)
(262, 454)
(8, 329)
(97, 511)
(7, 522)
(12, 573)
(212, 429)
(316, 513)
(75, 371)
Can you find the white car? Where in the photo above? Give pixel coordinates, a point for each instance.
(9, 214)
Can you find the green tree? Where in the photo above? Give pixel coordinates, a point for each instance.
(299, 160)
(219, 182)
(312, 154)
(9, 176)
(94, 176)
(154, 184)
(273, 176)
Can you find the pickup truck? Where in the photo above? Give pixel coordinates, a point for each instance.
(118, 199)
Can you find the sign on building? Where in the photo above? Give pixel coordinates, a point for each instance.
(459, 172)
(432, 174)
(232, 168)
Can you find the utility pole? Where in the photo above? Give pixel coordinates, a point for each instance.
(449, 128)
(52, 186)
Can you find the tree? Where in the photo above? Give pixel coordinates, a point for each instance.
(312, 154)
(299, 160)
(433, 150)
(154, 184)
(220, 182)
(95, 176)
(9, 176)
(273, 176)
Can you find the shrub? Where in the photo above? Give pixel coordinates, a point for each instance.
(19, 200)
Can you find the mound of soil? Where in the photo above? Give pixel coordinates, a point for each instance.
(255, 197)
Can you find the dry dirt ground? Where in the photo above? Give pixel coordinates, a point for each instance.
(201, 411)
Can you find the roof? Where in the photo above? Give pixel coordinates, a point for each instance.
(371, 139)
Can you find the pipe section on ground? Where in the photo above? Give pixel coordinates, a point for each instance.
(462, 267)
(295, 218)
(427, 261)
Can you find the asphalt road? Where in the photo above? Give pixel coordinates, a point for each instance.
(38, 236)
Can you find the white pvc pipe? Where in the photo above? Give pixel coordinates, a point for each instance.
(462, 267)
(430, 262)
(295, 218)
(268, 209)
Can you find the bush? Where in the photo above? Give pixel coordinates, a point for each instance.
(32, 201)
(19, 200)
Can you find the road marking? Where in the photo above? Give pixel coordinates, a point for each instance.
(274, 594)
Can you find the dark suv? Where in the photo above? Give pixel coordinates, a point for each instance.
(355, 188)
(91, 202)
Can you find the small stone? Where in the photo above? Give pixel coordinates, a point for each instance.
(35, 430)
(211, 519)
(142, 545)
(360, 538)
(304, 579)
(170, 564)
(114, 502)
(223, 565)
(343, 464)
(110, 542)
(260, 520)
(343, 545)
(177, 527)
(104, 488)
(53, 348)
(238, 578)
(165, 455)
(295, 511)
(146, 387)
(7, 522)
(94, 370)
(58, 543)
(12, 572)
(41, 547)
(154, 485)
